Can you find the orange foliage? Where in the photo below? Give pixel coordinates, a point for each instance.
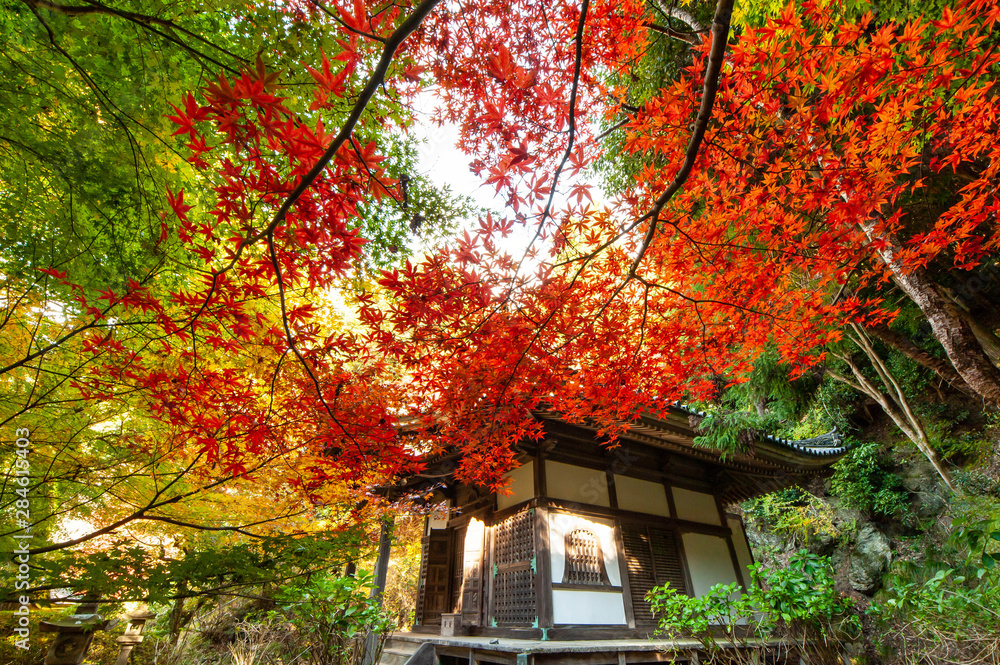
(816, 127)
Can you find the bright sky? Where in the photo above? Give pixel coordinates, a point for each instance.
(441, 161)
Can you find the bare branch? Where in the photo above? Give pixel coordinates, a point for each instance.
(686, 37)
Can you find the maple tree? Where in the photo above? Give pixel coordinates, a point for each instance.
(808, 190)
(778, 191)
(164, 401)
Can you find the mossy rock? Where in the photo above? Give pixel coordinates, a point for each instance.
(870, 559)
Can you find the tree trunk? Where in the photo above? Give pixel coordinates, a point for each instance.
(761, 405)
(893, 401)
(914, 434)
(987, 339)
(950, 328)
(176, 618)
(941, 368)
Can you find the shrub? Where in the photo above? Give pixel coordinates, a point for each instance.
(864, 480)
(947, 608)
(332, 620)
(796, 603)
(793, 513)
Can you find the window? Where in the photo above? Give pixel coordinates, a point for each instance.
(584, 559)
(653, 558)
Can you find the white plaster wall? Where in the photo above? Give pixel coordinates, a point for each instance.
(743, 554)
(561, 524)
(576, 483)
(588, 607)
(521, 485)
(696, 506)
(585, 607)
(708, 561)
(439, 518)
(641, 496)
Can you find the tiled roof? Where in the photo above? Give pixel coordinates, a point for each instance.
(831, 443)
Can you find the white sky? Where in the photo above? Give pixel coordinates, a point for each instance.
(444, 164)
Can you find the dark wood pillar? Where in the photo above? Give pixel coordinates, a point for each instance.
(372, 651)
(382, 562)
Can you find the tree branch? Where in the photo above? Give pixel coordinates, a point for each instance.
(685, 37)
(713, 70)
(392, 44)
(144, 20)
(909, 349)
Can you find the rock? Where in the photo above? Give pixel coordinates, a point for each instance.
(927, 505)
(762, 540)
(927, 497)
(839, 559)
(845, 519)
(870, 559)
(822, 542)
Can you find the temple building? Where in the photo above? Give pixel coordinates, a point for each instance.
(557, 569)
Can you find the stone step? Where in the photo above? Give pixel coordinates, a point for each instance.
(397, 652)
(401, 645)
(404, 652)
(394, 657)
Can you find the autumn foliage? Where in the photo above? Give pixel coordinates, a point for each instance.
(806, 190)
(236, 361)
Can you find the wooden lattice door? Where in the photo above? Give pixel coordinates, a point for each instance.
(512, 595)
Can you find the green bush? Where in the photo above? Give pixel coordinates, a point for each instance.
(797, 603)
(946, 608)
(332, 620)
(38, 642)
(864, 480)
(793, 513)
